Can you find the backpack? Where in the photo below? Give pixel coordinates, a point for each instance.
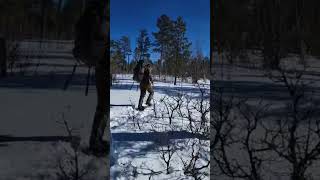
(87, 48)
(138, 71)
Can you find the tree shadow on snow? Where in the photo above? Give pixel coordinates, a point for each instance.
(135, 145)
(170, 91)
(158, 137)
(256, 89)
(9, 138)
(46, 81)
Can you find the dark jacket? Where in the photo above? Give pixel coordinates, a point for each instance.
(147, 79)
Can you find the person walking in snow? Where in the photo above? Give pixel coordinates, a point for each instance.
(146, 85)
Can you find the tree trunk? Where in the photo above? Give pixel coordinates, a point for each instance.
(101, 116)
(128, 65)
(175, 70)
(3, 58)
(110, 79)
(299, 5)
(298, 173)
(160, 64)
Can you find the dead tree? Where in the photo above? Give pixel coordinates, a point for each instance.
(221, 125)
(295, 137)
(202, 106)
(3, 58)
(69, 167)
(191, 109)
(135, 120)
(166, 153)
(241, 137)
(141, 170)
(235, 130)
(171, 105)
(191, 167)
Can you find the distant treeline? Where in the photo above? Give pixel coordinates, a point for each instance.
(276, 27)
(35, 19)
(170, 42)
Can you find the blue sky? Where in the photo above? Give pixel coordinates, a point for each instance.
(127, 17)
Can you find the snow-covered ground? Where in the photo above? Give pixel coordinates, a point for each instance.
(33, 142)
(139, 139)
(253, 85)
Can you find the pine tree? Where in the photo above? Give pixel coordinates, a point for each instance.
(142, 50)
(162, 39)
(126, 49)
(118, 56)
(180, 48)
(172, 44)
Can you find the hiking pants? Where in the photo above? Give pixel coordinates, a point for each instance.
(143, 90)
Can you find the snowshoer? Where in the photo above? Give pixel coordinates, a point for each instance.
(146, 85)
(91, 47)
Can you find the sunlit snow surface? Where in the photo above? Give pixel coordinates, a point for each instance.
(138, 137)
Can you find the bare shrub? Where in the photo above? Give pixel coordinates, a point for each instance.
(295, 136)
(166, 153)
(69, 165)
(193, 167)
